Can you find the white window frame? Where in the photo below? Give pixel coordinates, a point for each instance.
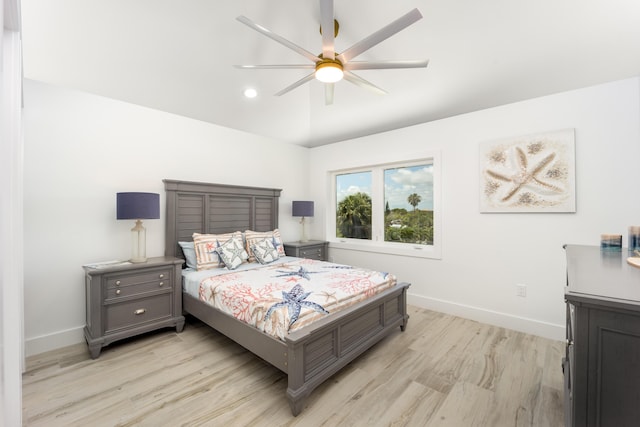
(377, 243)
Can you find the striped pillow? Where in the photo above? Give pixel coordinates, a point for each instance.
(205, 246)
(254, 237)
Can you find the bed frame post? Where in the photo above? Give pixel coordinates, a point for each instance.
(296, 389)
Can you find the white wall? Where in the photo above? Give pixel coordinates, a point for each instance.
(485, 255)
(80, 150)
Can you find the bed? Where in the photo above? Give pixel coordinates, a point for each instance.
(309, 355)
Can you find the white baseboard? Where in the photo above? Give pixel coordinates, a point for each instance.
(61, 339)
(509, 321)
(54, 341)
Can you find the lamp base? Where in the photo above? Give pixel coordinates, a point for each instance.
(304, 237)
(138, 243)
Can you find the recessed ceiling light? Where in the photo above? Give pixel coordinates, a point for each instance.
(250, 92)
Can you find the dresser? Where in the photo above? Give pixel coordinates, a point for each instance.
(126, 300)
(602, 359)
(313, 249)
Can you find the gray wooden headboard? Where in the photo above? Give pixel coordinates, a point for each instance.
(196, 207)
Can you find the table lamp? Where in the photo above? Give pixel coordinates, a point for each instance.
(138, 206)
(302, 208)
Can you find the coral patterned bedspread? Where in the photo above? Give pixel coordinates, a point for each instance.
(278, 298)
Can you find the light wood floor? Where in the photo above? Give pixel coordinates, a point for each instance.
(442, 371)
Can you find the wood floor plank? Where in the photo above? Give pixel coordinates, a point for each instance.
(442, 371)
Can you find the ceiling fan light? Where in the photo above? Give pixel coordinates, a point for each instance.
(329, 71)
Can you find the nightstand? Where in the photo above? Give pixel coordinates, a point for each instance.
(126, 300)
(313, 249)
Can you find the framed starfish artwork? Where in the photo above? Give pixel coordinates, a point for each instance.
(534, 173)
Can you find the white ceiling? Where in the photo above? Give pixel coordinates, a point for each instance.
(178, 56)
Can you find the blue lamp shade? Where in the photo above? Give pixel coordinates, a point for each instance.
(302, 208)
(137, 206)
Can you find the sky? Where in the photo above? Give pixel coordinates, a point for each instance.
(399, 183)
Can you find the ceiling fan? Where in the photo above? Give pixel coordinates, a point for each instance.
(330, 66)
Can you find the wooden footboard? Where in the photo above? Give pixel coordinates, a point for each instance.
(321, 349)
(313, 354)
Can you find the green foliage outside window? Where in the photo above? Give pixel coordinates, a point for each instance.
(354, 217)
(409, 227)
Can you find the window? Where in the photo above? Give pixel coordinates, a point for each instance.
(408, 204)
(390, 208)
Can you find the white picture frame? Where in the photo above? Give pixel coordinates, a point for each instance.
(534, 173)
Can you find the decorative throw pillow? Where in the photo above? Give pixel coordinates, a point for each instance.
(232, 253)
(264, 251)
(205, 247)
(189, 252)
(253, 237)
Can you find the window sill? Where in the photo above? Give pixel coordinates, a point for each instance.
(417, 251)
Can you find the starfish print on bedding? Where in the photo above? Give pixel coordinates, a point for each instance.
(294, 301)
(525, 175)
(302, 273)
(329, 296)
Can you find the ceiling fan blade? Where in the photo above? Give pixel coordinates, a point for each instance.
(262, 30)
(379, 65)
(277, 66)
(328, 93)
(359, 81)
(296, 84)
(380, 35)
(327, 26)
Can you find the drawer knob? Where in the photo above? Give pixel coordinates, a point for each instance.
(117, 282)
(161, 283)
(118, 291)
(162, 276)
(139, 311)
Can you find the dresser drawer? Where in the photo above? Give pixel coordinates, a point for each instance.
(124, 287)
(129, 314)
(316, 252)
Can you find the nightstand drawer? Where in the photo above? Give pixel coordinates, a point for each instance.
(313, 253)
(122, 286)
(131, 313)
(140, 289)
(121, 280)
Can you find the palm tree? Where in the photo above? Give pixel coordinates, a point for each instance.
(354, 216)
(414, 200)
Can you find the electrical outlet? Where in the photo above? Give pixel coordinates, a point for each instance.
(521, 290)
